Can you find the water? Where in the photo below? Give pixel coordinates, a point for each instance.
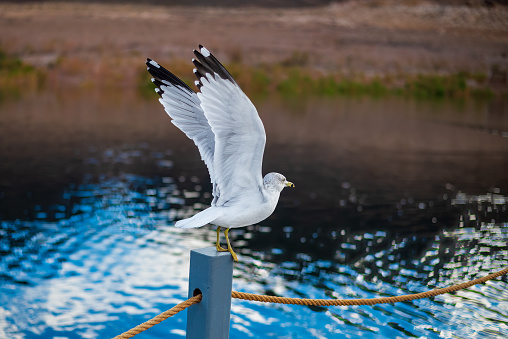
(392, 197)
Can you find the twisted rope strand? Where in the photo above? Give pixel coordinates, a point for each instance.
(308, 302)
(159, 318)
(373, 301)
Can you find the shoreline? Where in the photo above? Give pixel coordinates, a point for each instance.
(362, 43)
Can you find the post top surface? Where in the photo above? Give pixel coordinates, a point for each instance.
(211, 252)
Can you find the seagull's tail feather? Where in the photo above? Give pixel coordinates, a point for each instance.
(200, 219)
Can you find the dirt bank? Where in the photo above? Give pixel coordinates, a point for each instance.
(373, 38)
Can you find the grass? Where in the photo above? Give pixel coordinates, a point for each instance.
(16, 76)
(290, 77)
(293, 77)
(287, 79)
(439, 86)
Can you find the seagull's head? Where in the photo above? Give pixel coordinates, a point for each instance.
(276, 181)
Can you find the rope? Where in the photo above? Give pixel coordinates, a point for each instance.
(308, 302)
(159, 318)
(373, 301)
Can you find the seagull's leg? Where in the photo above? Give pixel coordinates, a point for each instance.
(230, 249)
(217, 245)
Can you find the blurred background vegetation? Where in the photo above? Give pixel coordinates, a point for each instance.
(424, 49)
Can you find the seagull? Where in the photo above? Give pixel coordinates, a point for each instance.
(226, 128)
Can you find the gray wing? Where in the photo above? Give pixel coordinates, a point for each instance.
(183, 106)
(239, 133)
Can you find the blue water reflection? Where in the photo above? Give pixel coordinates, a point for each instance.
(107, 258)
(98, 255)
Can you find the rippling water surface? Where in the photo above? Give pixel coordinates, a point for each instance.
(392, 197)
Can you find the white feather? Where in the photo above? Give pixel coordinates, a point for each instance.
(230, 136)
(188, 116)
(155, 64)
(205, 52)
(200, 219)
(239, 138)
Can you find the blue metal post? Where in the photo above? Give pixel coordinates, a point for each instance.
(211, 273)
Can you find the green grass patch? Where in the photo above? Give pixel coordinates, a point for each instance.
(13, 66)
(438, 86)
(16, 76)
(291, 77)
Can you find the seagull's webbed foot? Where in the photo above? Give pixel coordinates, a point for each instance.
(230, 249)
(217, 244)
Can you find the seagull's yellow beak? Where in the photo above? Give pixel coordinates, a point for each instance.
(289, 184)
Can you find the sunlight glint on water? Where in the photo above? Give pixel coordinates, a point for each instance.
(117, 255)
(101, 256)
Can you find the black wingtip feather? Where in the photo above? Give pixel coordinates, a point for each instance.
(157, 83)
(204, 65)
(160, 73)
(202, 68)
(210, 65)
(198, 74)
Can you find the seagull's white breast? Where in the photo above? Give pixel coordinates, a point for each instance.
(248, 212)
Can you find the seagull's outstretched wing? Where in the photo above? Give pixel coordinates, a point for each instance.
(183, 106)
(239, 133)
